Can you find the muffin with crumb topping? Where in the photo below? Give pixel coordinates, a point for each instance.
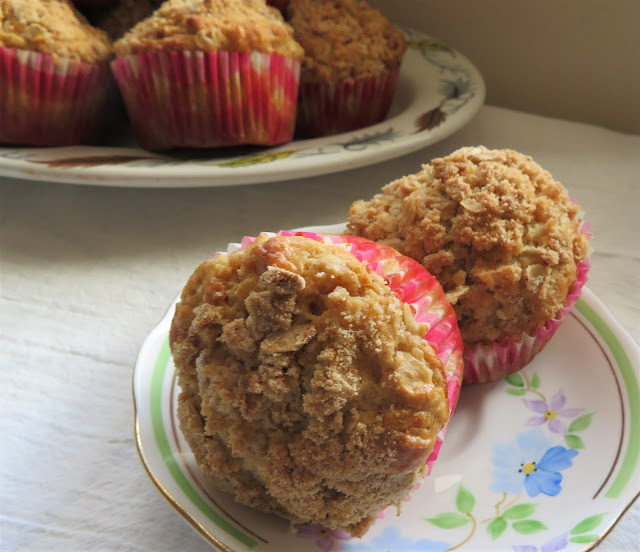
(317, 375)
(56, 84)
(351, 66)
(502, 237)
(206, 73)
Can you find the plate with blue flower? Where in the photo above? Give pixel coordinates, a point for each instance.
(547, 459)
(439, 91)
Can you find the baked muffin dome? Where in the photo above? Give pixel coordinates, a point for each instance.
(344, 39)
(212, 25)
(52, 27)
(307, 387)
(499, 233)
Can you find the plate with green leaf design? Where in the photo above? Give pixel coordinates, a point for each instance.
(547, 459)
(438, 92)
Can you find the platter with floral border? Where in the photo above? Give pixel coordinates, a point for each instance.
(438, 92)
(547, 459)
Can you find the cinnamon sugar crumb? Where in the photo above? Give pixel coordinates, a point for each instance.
(307, 388)
(52, 27)
(344, 39)
(212, 25)
(499, 233)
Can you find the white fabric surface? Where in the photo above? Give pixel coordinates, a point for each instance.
(87, 272)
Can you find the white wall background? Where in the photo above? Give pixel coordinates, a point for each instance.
(572, 59)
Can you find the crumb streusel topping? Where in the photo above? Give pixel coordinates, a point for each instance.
(52, 27)
(344, 39)
(497, 230)
(212, 25)
(307, 387)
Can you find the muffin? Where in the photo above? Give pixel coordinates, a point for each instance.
(56, 83)
(502, 237)
(207, 73)
(308, 389)
(350, 70)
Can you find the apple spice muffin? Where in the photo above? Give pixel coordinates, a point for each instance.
(307, 387)
(206, 73)
(502, 237)
(352, 61)
(56, 83)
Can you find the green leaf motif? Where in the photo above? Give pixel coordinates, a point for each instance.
(581, 423)
(528, 526)
(583, 539)
(496, 528)
(465, 501)
(587, 524)
(535, 381)
(574, 442)
(449, 520)
(515, 379)
(519, 511)
(516, 392)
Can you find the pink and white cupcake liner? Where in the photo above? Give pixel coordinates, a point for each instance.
(51, 101)
(331, 109)
(209, 99)
(488, 363)
(412, 284)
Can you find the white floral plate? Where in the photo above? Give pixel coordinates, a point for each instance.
(547, 459)
(438, 92)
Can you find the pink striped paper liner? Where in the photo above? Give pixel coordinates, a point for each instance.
(488, 363)
(411, 283)
(331, 109)
(50, 101)
(200, 99)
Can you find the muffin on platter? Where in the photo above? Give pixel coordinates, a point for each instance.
(317, 373)
(351, 66)
(206, 73)
(503, 238)
(55, 83)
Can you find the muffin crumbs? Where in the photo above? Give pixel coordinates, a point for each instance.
(52, 27)
(307, 387)
(499, 233)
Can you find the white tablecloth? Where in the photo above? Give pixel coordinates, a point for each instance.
(87, 272)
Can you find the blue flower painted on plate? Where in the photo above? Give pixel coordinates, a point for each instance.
(553, 545)
(530, 462)
(391, 539)
(549, 413)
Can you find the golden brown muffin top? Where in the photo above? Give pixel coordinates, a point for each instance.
(51, 27)
(499, 233)
(344, 39)
(307, 384)
(212, 25)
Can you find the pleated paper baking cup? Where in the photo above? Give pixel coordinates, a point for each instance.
(411, 283)
(50, 101)
(209, 99)
(326, 109)
(487, 363)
